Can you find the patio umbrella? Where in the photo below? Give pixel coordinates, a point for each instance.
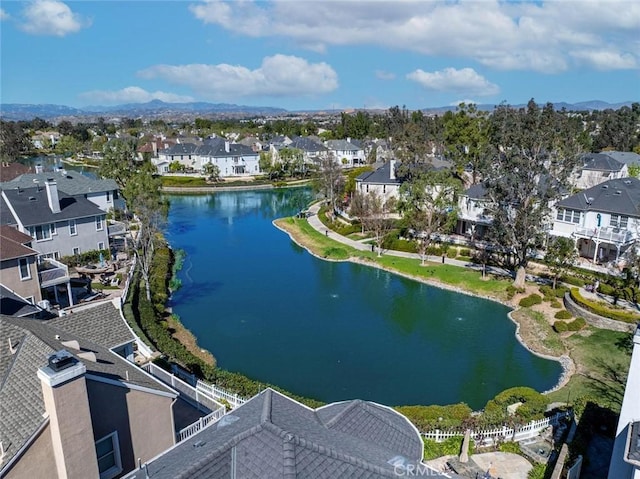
(101, 259)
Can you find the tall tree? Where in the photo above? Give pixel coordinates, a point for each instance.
(119, 161)
(330, 182)
(534, 152)
(560, 256)
(467, 139)
(375, 217)
(429, 205)
(14, 141)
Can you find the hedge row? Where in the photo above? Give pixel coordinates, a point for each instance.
(530, 300)
(427, 418)
(575, 325)
(88, 257)
(602, 310)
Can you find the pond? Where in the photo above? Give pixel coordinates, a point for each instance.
(332, 331)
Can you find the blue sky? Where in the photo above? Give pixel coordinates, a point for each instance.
(319, 54)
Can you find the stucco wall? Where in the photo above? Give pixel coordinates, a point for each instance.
(10, 277)
(62, 242)
(144, 421)
(37, 461)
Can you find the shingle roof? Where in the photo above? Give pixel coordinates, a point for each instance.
(620, 196)
(476, 192)
(12, 244)
(21, 405)
(13, 305)
(36, 211)
(273, 436)
(342, 145)
(626, 157)
(216, 147)
(180, 149)
(70, 182)
(306, 144)
(600, 162)
(381, 176)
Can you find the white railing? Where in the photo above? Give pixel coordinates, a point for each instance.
(199, 398)
(218, 393)
(200, 424)
(489, 437)
(606, 234)
(127, 283)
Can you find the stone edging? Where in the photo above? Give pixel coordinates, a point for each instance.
(596, 320)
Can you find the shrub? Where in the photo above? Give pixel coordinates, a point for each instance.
(560, 326)
(512, 290)
(603, 310)
(530, 300)
(449, 447)
(397, 244)
(533, 405)
(427, 418)
(573, 280)
(577, 324)
(607, 289)
(88, 257)
(464, 252)
(556, 304)
(452, 253)
(512, 447)
(434, 251)
(564, 314)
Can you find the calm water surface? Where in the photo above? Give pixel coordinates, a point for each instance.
(332, 331)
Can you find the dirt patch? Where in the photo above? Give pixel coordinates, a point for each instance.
(186, 337)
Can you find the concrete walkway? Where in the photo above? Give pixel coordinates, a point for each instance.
(315, 222)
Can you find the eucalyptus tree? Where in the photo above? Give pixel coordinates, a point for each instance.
(533, 153)
(466, 139)
(429, 205)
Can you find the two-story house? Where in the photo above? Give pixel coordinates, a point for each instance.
(18, 264)
(597, 168)
(382, 181)
(104, 193)
(232, 159)
(183, 153)
(59, 224)
(72, 401)
(604, 220)
(346, 152)
(473, 219)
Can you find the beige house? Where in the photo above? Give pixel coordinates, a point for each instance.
(18, 269)
(72, 402)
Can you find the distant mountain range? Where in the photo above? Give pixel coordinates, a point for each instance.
(160, 109)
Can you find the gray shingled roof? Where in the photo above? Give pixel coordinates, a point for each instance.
(71, 182)
(476, 192)
(342, 145)
(21, 405)
(626, 157)
(273, 436)
(306, 144)
(13, 305)
(180, 149)
(379, 176)
(216, 147)
(620, 196)
(600, 162)
(32, 207)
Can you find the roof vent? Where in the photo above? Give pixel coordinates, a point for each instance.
(617, 193)
(61, 360)
(627, 182)
(32, 198)
(604, 187)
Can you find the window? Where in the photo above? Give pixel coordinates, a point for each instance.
(72, 228)
(99, 223)
(25, 272)
(108, 196)
(76, 251)
(108, 454)
(52, 226)
(101, 245)
(570, 216)
(618, 221)
(41, 232)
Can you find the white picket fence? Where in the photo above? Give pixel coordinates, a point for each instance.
(218, 393)
(127, 283)
(200, 424)
(490, 436)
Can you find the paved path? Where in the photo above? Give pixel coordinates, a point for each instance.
(315, 222)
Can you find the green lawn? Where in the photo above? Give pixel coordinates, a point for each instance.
(186, 181)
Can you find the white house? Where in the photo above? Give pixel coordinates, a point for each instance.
(346, 152)
(597, 168)
(382, 181)
(603, 219)
(233, 159)
(473, 220)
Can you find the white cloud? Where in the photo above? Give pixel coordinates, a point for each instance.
(51, 17)
(465, 80)
(384, 75)
(278, 75)
(606, 59)
(131, 94)
(538, 36)
(3, 15)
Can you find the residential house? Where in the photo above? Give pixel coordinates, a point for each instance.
(12, 170)
(473, 219)
(18, 265)
(13, 304)
(252, 142)
(104, 193)
(183, 153)
(597, 168)
(59, 224)
(45, 139)
(603, 219)
(347, 153)
(627, 157)
(232, 159)
(72, 402)
(382, 181)
(273, 436)
(312, 151)
(625, 458)
(150, 149)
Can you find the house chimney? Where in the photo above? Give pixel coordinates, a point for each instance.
(64, 391)
(348, 139)
(392, 169)
(39, 169)
(52, 195)
(226, 146)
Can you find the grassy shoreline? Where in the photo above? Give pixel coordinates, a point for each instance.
(581, 354)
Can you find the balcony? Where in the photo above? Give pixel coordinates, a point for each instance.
(605, 235)
(52, 272)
